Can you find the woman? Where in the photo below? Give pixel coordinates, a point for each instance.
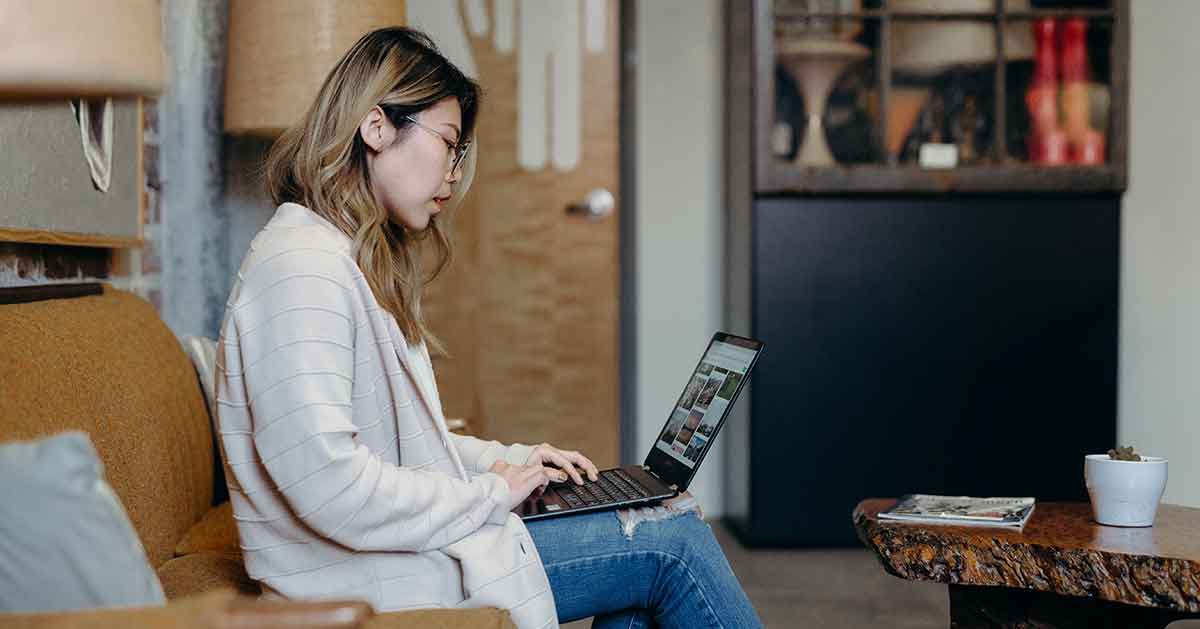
(344, 480)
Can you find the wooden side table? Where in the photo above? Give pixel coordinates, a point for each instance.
(1063, 570)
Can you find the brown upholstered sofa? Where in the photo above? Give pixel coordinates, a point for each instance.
(107, 365)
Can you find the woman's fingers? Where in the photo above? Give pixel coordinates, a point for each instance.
(585, 463)
(522, 481)
(559, 458)
(572, 462)
(534, 476)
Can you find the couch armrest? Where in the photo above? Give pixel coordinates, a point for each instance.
(221, 609)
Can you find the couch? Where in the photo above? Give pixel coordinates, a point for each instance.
(104, 363)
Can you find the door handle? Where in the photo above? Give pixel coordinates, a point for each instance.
(598, 204)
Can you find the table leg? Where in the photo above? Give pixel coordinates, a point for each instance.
(973, 606)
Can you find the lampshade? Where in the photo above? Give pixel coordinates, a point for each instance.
(930, 47)
(281, 50)
(66, 48)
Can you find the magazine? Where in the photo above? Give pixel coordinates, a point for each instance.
(961, 510)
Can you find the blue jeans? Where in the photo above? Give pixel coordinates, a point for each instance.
(671, 574)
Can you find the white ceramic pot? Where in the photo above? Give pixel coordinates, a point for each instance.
(1125, 493)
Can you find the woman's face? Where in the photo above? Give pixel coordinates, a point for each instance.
(409, 175)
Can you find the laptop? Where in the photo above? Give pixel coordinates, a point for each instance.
(677, 451)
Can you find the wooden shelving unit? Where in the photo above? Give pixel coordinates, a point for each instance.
(751, 67)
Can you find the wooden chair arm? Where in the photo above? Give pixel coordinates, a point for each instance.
(221, 609)
(226, 609)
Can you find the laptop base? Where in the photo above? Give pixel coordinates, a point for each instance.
(617, 488)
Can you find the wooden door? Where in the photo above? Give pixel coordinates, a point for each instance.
(529, 307)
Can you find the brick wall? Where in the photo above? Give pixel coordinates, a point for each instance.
(139, 271)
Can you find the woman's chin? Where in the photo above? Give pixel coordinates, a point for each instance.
(415, 221)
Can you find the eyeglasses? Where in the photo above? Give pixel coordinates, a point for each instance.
(457, 151)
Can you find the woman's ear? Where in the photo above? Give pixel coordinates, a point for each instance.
(375, 129)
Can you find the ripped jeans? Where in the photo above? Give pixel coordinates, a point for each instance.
(670, 573)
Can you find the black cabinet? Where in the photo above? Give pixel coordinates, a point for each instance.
(936, 345)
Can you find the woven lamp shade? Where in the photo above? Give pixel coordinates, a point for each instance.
(281, 50)
(68, 48)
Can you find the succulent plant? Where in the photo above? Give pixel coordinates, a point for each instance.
(1124, 453)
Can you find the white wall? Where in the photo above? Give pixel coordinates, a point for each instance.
(679, 96)
(679, 182)
(1160, 267)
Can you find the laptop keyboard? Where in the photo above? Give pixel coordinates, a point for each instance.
(612, 486)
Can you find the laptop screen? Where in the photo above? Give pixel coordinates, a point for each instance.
(708, 394)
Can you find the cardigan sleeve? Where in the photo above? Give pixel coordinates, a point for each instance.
(296, 320)
(478, 455)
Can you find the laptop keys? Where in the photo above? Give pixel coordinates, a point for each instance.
(625, 488)
(612, 486)
(617, 488)
(633, 485)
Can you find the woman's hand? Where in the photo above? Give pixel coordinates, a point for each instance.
(522, 480)
(568, 461)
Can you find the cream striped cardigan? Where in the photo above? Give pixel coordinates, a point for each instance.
(344, 480)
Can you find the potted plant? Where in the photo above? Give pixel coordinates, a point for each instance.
(1125, 487)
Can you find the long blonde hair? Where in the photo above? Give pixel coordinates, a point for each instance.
(321, 162)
